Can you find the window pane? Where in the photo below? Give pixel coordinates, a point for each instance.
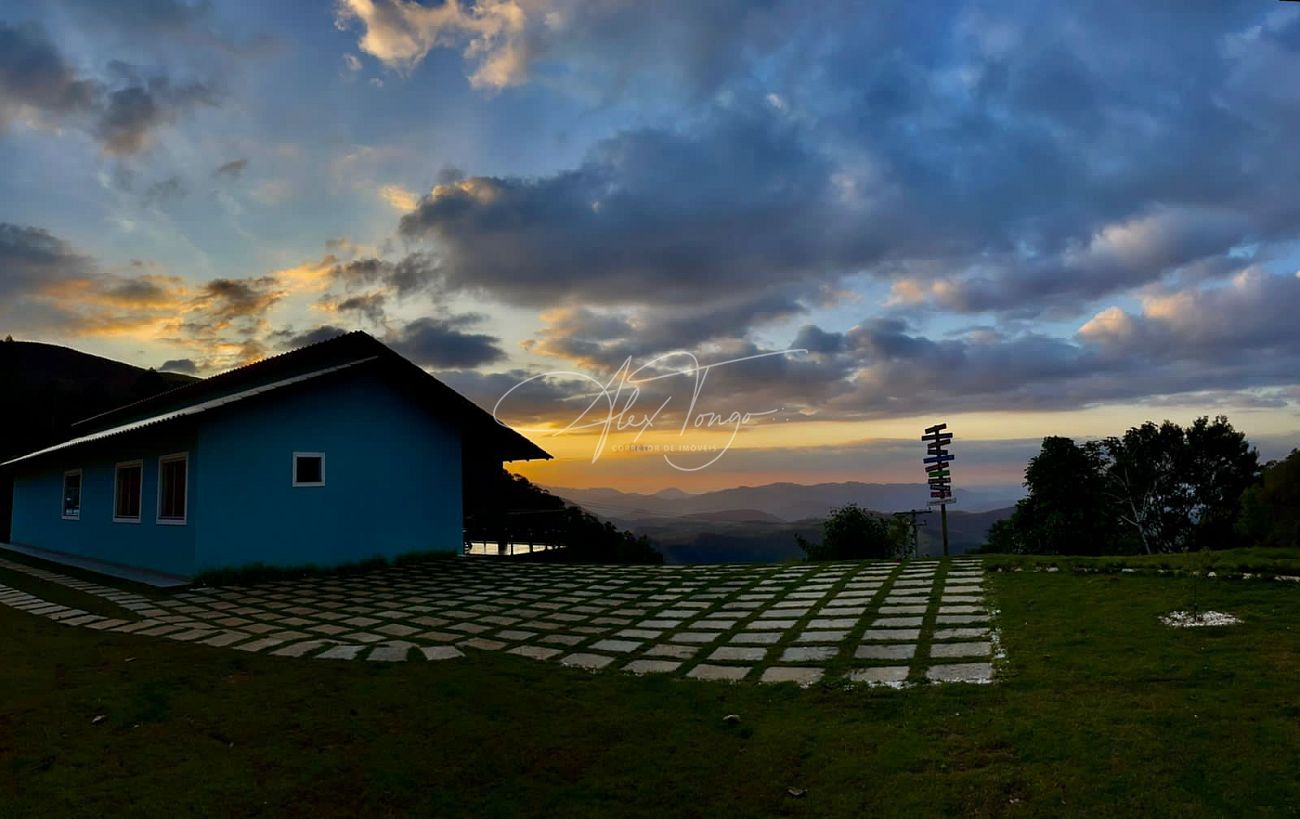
(309, 469)
(72, 494)
(128, 492)
(171, 494)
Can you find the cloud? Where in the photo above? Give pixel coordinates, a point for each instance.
(163, 191)
(601, 48)
(290, 340)
(652, 216)
(371, 306)
(400, 33)
(122, 111)
(232, 169)
(185, 366)
(442, 343)
(414, 273)
(1007, 174)
(399, 198)
(1252, 317)
(36, 84)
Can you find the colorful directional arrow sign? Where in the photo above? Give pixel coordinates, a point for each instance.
(937, 473)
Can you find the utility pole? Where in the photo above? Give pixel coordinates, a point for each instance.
(916, 526)
(938, 473)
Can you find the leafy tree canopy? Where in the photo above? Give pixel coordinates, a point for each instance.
(1156, 488)
(853, 533)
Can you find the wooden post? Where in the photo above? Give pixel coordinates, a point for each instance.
(943, 519)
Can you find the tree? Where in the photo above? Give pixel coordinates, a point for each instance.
(1065, 511)
(1143, 485)
(1219, 466)
(1156, 488)
(853, 533)
(1179, 489)
(1270, 510)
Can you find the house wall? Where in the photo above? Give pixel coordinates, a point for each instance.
(38, 505)
(392, 479)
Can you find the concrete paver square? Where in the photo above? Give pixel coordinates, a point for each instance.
(802, 676)
(821, 636)
(897, 622)
(393, 652)
(892, 676)
(738, 654)
(483, 644)
(677, 652)
(885, 634)
(441, 652)
(535, 652)
(651, 666)
(832, 623)
(961, 672)
(695, 637)
(760, 638)
(885, 652)
(960, 633)
(343, 652)
(591, 662)
(718, 672)
(617, 646)
(972, 649)
(808, 654)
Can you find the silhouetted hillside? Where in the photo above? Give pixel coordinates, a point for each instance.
(722, 539)
(783, 501)
(44, 388)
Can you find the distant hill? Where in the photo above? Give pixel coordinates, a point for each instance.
(784, 501)
(716, 539)
(759, 523)
(734, 515)
(45, 387)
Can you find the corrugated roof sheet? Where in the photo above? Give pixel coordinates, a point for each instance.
(184, 412)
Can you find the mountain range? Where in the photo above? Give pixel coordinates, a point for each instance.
(779, 501)
(760, 523)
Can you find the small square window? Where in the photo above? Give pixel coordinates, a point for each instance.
(72, 494)
(308, 469)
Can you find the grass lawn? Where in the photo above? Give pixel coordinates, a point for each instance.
(1263, 561)
(1100, 710)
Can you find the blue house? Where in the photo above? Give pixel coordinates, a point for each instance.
(335, 453)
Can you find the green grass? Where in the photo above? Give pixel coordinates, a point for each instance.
(1266, 561)
(1099, 711)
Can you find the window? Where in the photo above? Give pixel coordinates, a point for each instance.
(173, 474)
(308, 469)
(72, 494)
(126, 492)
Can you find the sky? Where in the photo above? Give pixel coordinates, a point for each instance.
(682, 244)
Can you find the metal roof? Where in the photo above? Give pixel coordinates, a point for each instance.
(183, 412)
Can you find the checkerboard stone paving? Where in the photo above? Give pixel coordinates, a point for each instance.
(873, 623)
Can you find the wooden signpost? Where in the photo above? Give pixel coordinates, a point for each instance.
(939, 474)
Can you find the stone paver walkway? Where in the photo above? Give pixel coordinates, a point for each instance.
(872, 623)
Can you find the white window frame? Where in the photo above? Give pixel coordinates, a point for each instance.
(63, 494)
(117, 469)
(293, 465)
(158, 518)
